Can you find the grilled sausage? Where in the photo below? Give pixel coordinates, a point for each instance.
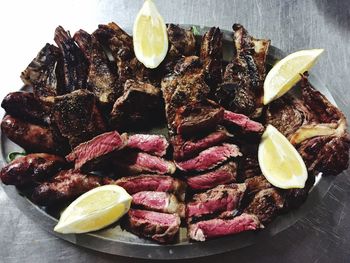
(31, 168)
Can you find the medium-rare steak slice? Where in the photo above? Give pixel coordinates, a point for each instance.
(140, 106)
(45, 73)
(88, 154)
(242, 121)
(187, 148)
(220, 199)
(31, 168)
(77, 116)
(160, 227)
(65, 186)
(242, 87)
(75, 66)
(193, 118)
(102, 74)
(209, 158)
(139, 162)
(224, 174)
(158, 201)
(204, 230)
(266, 204)
(158, 183)
(149, 143)
(211, 57)
(183, 86)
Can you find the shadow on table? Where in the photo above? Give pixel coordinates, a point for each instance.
(336, 12)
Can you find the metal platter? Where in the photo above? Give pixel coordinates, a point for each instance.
(114, 240)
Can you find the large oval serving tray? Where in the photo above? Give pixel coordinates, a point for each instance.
(114, 240)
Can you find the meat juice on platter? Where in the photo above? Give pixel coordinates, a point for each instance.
(82, 123)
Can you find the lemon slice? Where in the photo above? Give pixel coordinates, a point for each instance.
(94, 210)
(150, 36)
(286, 73)
(279, 161)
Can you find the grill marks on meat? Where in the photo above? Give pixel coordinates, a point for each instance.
(77, 116)
(75, 65)
(31, 168)
(242, 89)
(102, 74)
(181, 42)
(149, 143)
(211, 56)
(158, 201)
(158, 183)
(160, 227)
(242, 121)
(140, 106)
(88, 154)
(45, 73)
(65, 186)
(225, 174)
(204, 230)
(209, 158)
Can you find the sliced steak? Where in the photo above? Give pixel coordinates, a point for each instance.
(217, 200)
(65, 186)
(31, 168)
(266, 204)
(204, 230)
(187, 148)
(160, 227)
(77, 116)
(88, 154)
(242, 121)
(150, 143)
(225, 174)
(193, 118)
(158, 201)
(139, 162)
(158, 183)
(256, 184)
(209, 158)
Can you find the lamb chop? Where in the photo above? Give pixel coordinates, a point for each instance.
(45, 73)
(242, 87)
(77, 116)
(102, 74)
(75, 66)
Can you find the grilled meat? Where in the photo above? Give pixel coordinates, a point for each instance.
(160, 227)
(193, 118)
(185, 85)
(220, 199)
(65, 186)
(211, 57)
(33, 137)
(256, 183)
(242, 87)
(139, 162)
(25, 105)
(158, 183)
(242, 121)
(140, 106)
(102, 74)
(88, 154)
(181, 42)
(158, 201)
(222, 175)
(209, 158)
(45, 73)
(75, 66)
(149, 143)
(248, 165)
(77, 116)
(204, 230)
(31, 168)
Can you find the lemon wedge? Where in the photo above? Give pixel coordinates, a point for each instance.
(279, 161)
(94, 210)
(150, 36)
(286, 73)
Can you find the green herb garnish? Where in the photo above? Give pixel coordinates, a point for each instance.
(14, 155)
(195, 30)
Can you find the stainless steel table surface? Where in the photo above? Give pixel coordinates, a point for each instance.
(322, 236)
